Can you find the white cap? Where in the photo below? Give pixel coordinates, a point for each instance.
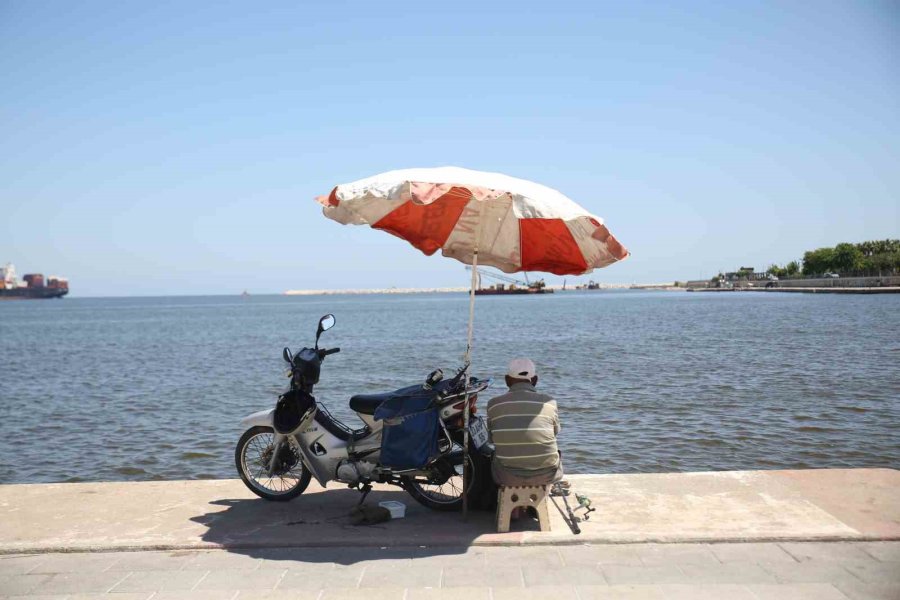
(521, 368)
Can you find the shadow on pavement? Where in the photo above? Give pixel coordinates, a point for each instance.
(317, 526)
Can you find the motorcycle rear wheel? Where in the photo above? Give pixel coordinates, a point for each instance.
(447, 496)
(251, 457)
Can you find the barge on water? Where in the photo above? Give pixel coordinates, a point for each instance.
(510, 287)
(32, 286)
(500, 289)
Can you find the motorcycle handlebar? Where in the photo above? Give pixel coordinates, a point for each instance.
(332, 351)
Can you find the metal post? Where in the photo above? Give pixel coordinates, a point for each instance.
(467, 362)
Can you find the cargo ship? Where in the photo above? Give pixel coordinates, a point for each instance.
(33, 286)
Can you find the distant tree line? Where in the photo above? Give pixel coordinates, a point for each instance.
(880, 257)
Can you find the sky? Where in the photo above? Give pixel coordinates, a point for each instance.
(156, 148)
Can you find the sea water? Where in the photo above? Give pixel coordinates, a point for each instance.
(646, 381)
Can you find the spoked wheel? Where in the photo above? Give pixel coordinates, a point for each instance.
(444, 490)
(252, 457)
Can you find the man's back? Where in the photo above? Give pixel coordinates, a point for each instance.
(523, 425)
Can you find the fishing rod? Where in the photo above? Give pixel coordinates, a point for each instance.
(569, 515)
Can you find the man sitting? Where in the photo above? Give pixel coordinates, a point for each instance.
(523, 425)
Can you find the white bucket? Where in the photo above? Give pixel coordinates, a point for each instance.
(398, 509)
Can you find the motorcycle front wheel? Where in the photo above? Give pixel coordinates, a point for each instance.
(446, 495)
(252, 457)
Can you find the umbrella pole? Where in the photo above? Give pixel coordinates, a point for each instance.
(468, 361)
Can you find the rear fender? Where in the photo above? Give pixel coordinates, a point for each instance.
(263, 417)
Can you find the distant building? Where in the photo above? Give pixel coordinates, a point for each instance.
(748, 273)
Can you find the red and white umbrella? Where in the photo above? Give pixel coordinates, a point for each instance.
(512, 224)
(478, 218)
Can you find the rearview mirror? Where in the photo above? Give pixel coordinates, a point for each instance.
(325, 323)
(288, 357)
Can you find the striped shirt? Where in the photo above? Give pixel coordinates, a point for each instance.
(523, 425)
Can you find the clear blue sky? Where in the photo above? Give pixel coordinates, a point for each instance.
(176, 147)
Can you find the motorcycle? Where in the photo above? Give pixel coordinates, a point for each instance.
(283, 448)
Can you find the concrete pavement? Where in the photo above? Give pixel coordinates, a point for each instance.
(813, 505)
(748, 571)
(820, 534)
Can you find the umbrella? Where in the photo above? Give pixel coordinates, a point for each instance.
(478, 218)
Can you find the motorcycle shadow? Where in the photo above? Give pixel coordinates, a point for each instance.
(316, 527)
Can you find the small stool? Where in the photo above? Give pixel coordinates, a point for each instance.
(511, 497)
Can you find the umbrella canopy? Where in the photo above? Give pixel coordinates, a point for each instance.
(513, 224)
(477, 217)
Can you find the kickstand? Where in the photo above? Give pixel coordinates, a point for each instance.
(365, 489)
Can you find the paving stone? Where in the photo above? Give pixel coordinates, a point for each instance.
(751, 553)
(240, 580)
(295, 555)
(730, 573)
(457, 593)
(20, 565)
(494, 577)
(334, 577)
(366, 594)
(406, 577)
(219, 560)
(883, 551)
(676, 554)
(797, 591)
(191, 595)
(20, 585)
(563, 576)
(78, 562)
(876, 572)
(473, 557)
(677, 591)
(152, 561)
(606, 554)
(809, 572)
(154, 581)
(355, 556)
(840, 552)
(76, 583)
(652, 574)
(276, 595)
(112, 596)
(537, 556)
(869, 591)
(533, 593)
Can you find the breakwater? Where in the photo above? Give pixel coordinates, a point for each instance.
(857, 285)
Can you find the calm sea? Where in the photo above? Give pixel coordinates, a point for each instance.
(154, 388)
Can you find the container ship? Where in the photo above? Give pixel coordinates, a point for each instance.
(32, 286)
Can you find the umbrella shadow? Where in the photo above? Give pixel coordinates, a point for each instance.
(317, 528)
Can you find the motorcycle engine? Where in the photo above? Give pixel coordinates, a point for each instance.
(352, 471)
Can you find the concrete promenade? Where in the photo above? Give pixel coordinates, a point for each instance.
(754, 534)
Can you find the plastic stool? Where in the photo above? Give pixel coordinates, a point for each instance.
(511, 497)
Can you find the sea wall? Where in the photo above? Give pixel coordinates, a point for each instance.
(823, 282)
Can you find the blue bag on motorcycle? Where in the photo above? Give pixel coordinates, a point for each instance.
(409, 439)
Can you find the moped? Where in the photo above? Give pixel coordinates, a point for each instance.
(283, 448)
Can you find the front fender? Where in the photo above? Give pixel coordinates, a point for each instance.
(263, 417)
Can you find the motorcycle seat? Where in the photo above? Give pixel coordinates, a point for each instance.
(367, 403)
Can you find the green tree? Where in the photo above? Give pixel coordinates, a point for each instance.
(847, 258)
(816, 262)
(792, 269)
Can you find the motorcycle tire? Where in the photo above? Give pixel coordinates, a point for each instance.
(432, 499)
(251, 482)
